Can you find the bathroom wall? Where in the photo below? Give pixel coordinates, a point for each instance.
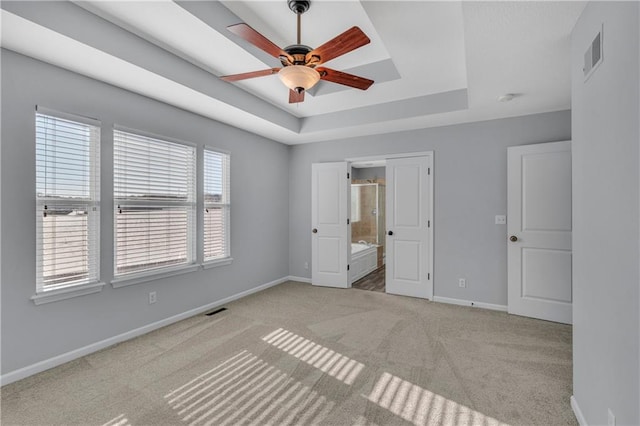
(364, 213)
(368, 230)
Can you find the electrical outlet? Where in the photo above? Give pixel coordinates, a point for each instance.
(462, 283)
(611, 419)
(306, 265)
(152, 297)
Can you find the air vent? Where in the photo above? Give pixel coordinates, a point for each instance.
(593, 56)
(216, 311)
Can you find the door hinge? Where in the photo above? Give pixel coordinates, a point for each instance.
(348, 175)
(429, 170)
(347, 221)
(348, 267)
(428, 224)
(428, 276)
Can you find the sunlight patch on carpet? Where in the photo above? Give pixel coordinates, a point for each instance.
(246, 389)
(121, 420)
(326, 360)
(422, 407)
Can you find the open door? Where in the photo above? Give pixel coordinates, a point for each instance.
(539, 226)
(408, 242)
(330, 236)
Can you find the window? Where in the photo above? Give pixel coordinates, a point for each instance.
(355, 203)
(154, 200)
(216, 205)
(67, 201)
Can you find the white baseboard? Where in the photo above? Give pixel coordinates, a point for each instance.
(299, 279)
(577, 411)
(462, 302)
(94, 347)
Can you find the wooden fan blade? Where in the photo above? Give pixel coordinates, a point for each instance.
(295, 97)
(344, 78)
(349, 40)
(252, 74)
(247, 33)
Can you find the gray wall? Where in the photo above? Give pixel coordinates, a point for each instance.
(470, 189)
(606, 216)
(259, 215)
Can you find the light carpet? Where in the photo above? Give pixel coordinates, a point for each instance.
(299, 354)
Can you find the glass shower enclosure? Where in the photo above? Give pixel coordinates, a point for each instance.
(367, 213)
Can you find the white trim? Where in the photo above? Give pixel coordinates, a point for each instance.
(154, 274)
(432, 218)
(38, 367)
(299, 279)
(67, 293)
(218, 150)
(151, 135)
(470, 303)
(217, 262)
(387, 156)
(577, 411)
(91, 121)
(225, 206)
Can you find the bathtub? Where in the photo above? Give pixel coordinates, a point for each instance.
(358, 247)
(364, 260)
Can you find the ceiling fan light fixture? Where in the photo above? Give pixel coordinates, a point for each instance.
(299, 77)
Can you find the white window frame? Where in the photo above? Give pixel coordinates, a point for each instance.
(188, 205)
(224, 204)
(48, 202)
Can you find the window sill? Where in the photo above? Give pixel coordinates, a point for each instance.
(217, 262)
(132, 279)
(67, 293)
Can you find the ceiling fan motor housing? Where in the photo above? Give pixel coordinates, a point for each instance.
(298, 6)
(298, 52)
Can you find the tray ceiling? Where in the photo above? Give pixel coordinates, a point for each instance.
(434, 63)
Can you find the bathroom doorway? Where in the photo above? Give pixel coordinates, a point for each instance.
(368, 192)
(405, 252)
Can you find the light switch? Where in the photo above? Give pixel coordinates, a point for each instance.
(501, 219)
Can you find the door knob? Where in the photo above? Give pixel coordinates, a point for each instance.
(390, 233)
(513, 238)
(315, 231)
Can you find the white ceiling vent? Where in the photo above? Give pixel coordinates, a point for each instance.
(593, 56)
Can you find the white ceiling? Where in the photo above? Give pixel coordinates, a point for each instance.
(434, 63)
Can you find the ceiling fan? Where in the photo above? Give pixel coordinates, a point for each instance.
(300, 64)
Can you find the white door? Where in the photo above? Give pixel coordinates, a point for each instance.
(408, 227)
(539, 228)
(330, 237)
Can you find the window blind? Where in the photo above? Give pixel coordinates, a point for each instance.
(67, 197)
(217, 203)
(154, 200)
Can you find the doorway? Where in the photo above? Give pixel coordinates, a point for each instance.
(368, 221)
(408, 241)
